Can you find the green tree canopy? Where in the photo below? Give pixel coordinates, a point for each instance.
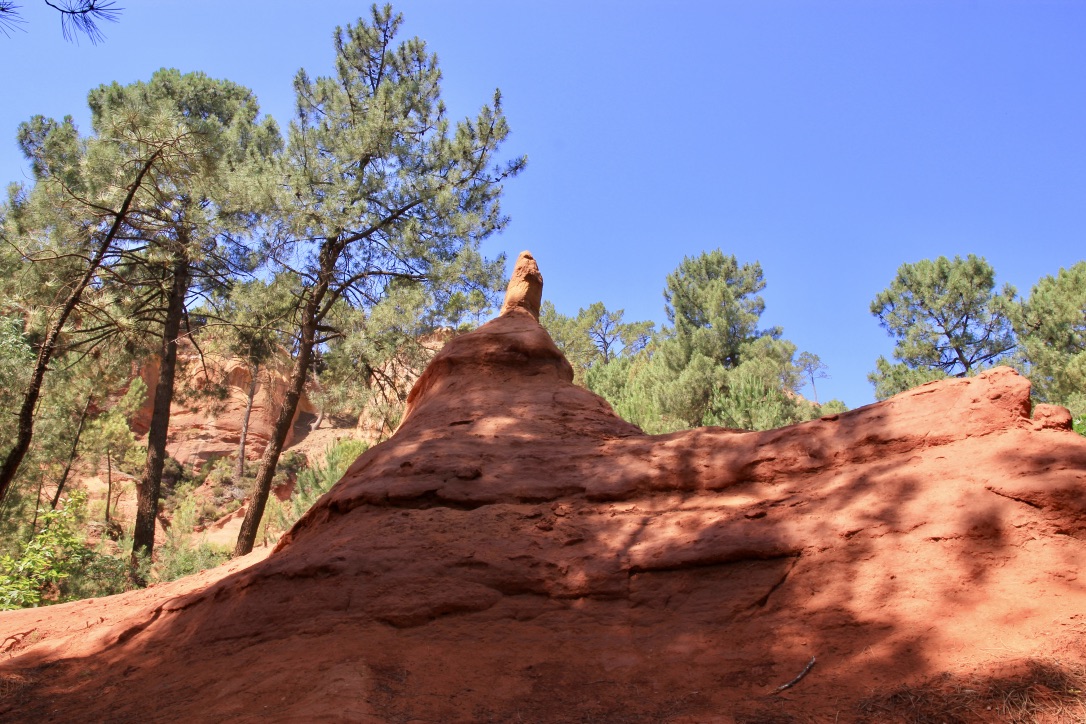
(378, 186)
(715, 305)
(186, 238)
(95, 207)
(1051, 327)
(947, 320)
(594, 336)
(715, 366)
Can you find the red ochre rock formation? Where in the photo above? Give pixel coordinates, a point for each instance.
(525, 288)
(207, 428)
(516, 552)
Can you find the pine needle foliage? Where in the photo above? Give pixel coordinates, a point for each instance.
(313, 482)
(947, 320)
(378, 189)
(1051, 328)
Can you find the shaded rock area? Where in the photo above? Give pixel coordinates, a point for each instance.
(516, 552)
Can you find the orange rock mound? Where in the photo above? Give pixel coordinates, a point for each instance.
(516, 552)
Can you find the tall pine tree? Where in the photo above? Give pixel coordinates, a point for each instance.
(188, 237)
(378, 186)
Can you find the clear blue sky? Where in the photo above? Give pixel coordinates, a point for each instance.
(831, 141)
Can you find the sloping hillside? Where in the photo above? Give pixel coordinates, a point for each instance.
(518, 553)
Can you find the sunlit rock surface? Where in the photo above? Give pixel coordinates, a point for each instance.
(516, 552)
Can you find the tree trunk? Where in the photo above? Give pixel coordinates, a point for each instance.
(316, 383)
(270, 458)
(143, 537)
(239, 470)
(109, 482)
(71, 455)
(33, 390)
(37, 507)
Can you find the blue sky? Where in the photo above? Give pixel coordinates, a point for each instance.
(830, 141)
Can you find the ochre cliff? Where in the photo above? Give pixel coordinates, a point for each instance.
(204, 427)
(516, 552)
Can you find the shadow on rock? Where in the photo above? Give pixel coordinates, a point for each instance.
(516, 552)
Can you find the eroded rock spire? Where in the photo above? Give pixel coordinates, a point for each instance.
(525, 288)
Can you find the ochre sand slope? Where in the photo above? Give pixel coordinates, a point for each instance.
(516, 552)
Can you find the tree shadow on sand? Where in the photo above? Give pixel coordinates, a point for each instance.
(517, 553)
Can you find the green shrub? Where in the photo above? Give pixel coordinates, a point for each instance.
(179, 555)
(57, 565)
(173, 473)
(220, 473)
(176, 497)
(288, 467)
(833, 407)
(312, 483)
(101, 574)
(186, 560)
(752, 400)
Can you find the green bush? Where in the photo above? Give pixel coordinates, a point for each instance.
(288, 467)
(753, 399)
(101, 574)
(57, 565)
(47, 559)
(311, 484)
(186, 560)
(833, 407)
(173, 473)
(220, 473)
(176, 497)
(179, 556)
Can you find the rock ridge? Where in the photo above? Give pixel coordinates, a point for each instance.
(516, 550)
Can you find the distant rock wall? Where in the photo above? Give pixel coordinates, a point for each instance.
(204, 428)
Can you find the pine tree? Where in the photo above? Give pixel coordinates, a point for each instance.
(188, 237)
(594, 336)
(378, 186)
(715, 306)
(1051, 328)
(70, 226)
(77, 17)
(715, 366)
(812, 368)
(947, 320)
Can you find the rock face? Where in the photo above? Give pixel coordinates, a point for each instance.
(202, 429)
(516, 552)
(525, 289)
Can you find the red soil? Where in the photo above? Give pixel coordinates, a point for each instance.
(516, 552)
